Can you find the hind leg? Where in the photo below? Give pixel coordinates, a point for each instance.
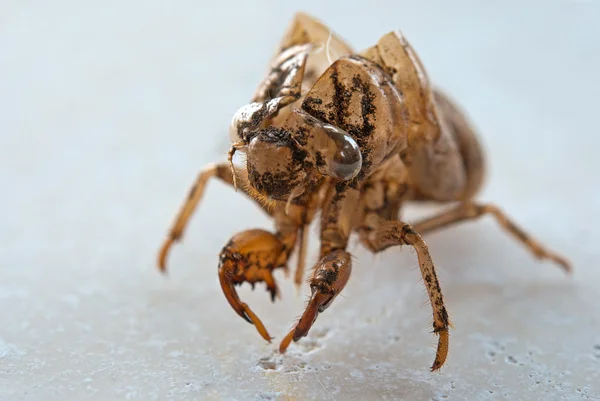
(472, 211)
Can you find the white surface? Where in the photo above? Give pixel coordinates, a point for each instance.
(108, 110)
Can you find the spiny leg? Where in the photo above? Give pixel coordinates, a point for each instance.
(221, 171)
(332, 272)
(470, 211)
(328, 279)
(251, 256)
(392, 233)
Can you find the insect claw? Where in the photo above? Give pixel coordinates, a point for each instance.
(285, 343)
(315, 305)
(564, 264)
(238, 306)
(327, 282)
(250, 256)
(246, 317)
(442, 350)
(162, 255)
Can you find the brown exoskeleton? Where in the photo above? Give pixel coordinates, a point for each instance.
(354, 139)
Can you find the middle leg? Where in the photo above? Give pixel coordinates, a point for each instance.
(221, 171)
(471, 211)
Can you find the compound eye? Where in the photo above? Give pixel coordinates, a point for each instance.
(237, 122)
(346, 160)
(249, 118)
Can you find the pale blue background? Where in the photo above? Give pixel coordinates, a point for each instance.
(109, 108)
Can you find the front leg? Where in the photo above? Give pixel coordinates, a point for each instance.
(332, 272)
(328, 280)
(252, 256)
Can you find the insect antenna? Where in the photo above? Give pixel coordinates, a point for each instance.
(234, 147)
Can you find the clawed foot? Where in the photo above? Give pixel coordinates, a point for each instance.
(163, 253)
(328, 280)
(250, 256)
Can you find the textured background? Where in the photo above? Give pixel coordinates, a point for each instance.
(108, 110)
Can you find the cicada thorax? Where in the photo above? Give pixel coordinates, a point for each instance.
(357, 97)
(443, 156)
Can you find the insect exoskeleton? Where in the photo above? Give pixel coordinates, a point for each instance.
(352, 138)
